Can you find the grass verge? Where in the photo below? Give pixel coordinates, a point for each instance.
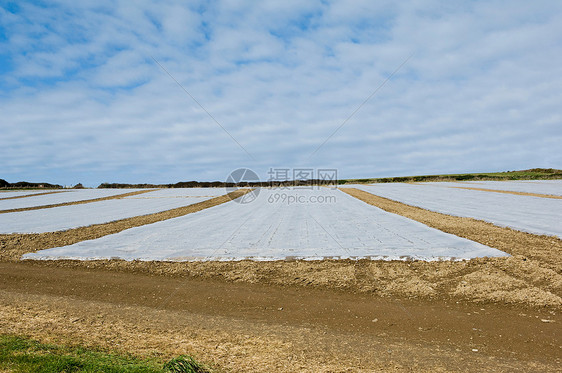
(18, 354)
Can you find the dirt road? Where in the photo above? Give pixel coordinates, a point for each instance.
(259, 327)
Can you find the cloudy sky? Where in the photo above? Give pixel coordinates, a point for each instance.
(85, 94)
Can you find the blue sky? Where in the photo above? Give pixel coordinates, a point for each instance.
(82, 100)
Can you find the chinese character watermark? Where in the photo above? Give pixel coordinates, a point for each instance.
(243, 178)
(282, 185)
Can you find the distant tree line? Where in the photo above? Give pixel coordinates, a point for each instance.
(27, 185)
(221, 184)
(535, 173)
(531, 174)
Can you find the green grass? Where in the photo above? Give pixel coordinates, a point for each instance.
(533, 174)
(19, 354)
(182, 364)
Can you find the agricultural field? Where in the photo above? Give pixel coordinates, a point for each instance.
(545, 187)
(78, 215)
(6, 194)
(534, 214)
(276, 226)
(56, 197)
(454, 276)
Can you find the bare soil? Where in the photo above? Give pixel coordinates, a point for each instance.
(265, 328)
